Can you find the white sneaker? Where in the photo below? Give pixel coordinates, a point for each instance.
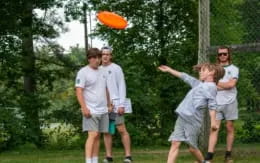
(127, 160)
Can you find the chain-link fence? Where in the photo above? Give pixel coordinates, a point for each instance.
(235, 24)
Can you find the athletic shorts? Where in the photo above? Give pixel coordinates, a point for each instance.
(185, 132)
(97, 122)
(227, 112)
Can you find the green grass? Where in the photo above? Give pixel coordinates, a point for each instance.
(241, 154)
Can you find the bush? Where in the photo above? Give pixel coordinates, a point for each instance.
(11, 129)
(63, 137)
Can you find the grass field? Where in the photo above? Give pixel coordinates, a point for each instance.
(241, 154)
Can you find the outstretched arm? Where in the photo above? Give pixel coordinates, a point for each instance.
(185, 77)
(164, 68)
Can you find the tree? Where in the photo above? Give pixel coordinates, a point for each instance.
(19, 32)
(159, 32)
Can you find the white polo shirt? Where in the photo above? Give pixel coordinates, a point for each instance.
(228, 96)
(93, 81)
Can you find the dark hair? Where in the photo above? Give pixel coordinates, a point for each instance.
(229, 54)
(93, 52)
(219, 70)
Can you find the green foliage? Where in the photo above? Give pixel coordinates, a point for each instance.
(159, 32)
(11, 129)
(63, 137)
(226, 24)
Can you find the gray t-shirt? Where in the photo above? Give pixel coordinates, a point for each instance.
(228, 96)
(202, 95)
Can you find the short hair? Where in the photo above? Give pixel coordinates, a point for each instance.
(93, 52)
(229, 54)
(219, 70)
(107, 48)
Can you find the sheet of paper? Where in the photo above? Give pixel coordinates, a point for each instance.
(127, 104)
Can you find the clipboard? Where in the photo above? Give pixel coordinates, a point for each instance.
(127, 105)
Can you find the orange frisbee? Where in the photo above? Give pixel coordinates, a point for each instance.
(112, 20)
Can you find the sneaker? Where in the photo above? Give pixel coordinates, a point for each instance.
(108, 160)
(204, 161)
(127, 160)
(229, 160)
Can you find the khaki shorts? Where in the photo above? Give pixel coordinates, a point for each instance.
(97, 122)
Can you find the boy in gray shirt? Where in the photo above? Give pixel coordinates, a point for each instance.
(190, 113)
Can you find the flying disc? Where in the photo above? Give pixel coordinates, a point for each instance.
(112, 20)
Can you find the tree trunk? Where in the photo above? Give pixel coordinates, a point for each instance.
(29, 99)
(204, 43)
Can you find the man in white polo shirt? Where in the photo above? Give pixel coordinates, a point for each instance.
(117, 91)
(227, 104)
(93, 98)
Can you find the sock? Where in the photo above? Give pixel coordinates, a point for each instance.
(228, 154)
(129, 157)
(88, 160)
(109, 159)
(94, 159)
(209, 156)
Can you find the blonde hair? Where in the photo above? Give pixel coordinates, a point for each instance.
(219, 71)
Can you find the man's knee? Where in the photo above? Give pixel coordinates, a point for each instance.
(122, 129)
(192, 150)
(230, 127)
(107, 135)
(175, 144)
(94, 135)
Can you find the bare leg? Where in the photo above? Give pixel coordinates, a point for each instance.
(125, 138)
(197, 153)
(89, 146)
(230, 135)
(213, 138)
(96, 146)
(173, 153)
(108, 144)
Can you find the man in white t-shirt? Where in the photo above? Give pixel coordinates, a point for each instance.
(227, 103)
(117, 91)
(93, 98)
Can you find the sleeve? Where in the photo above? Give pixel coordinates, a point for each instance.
(211, 92)
(80, 80)
(235, 73)
(121, 87)
(189, 79)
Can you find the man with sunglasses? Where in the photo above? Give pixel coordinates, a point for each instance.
(227, 104)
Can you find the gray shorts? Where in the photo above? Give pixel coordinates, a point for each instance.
(185, 132)
(227, 112)
(97, 122)
(119, 119)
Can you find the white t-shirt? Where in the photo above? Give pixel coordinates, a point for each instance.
(228, 96)
(115, 84)
(93, 81)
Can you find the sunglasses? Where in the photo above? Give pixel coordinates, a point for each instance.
(224, 54)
